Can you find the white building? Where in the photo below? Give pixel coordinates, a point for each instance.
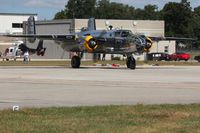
(13, 22)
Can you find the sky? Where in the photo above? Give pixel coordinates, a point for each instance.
(46, 9)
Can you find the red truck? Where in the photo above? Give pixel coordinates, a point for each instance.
(179, 56)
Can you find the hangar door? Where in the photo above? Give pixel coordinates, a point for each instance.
(53, 49)
(53, 28)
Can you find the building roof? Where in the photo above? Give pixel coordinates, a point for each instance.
(20, 14)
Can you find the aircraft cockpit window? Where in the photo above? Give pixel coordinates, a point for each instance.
(117, 34)
(88, 34)
(125, 34)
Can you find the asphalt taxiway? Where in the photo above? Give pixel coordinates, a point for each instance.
(90, 86)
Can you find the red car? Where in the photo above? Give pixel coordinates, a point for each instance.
(179, 56)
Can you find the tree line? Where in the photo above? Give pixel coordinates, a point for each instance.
(180, 19)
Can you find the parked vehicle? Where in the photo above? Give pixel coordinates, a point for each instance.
(197, 58)
(179, 56)
(158, 56)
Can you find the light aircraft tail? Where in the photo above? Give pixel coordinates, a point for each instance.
(40, 49)
(91, 24)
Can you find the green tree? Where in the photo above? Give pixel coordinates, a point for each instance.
(118, 11)
(60, 15)
(73, 8)
(103, 10)
(196, 24)
(150, 12)
(89, 8)
(177, 18)
(112, 10)
(80, 8)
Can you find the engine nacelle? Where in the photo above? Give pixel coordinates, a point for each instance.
(90, 44)
(149, 44)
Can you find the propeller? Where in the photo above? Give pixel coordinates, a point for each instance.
(91, 43)
(145, 42)
(148, 45)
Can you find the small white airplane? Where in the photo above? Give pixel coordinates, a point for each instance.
(18, 50)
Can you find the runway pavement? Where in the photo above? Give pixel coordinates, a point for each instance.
(89, 86)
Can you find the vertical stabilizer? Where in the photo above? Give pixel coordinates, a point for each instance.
(31, 28)
(40, 45)
(91, 24)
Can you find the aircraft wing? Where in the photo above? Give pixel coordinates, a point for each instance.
(60, 37)
(172, 38)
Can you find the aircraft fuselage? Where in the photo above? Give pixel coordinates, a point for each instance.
(111, 42)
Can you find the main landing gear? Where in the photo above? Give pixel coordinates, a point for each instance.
(130, 62)
(75, 61)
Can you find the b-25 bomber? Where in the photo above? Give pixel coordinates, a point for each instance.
(113, 41)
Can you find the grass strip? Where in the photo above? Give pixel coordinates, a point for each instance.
(112, 119)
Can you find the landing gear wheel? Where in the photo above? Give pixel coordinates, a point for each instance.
(131, 63)
(76, 62)
(128, 63)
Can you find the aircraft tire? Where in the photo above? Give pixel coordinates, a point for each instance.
(131, 63)
(76, 62)
(128, 63)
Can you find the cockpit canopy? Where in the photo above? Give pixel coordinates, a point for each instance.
(123, 33)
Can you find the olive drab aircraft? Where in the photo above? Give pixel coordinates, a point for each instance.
(114, 41)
